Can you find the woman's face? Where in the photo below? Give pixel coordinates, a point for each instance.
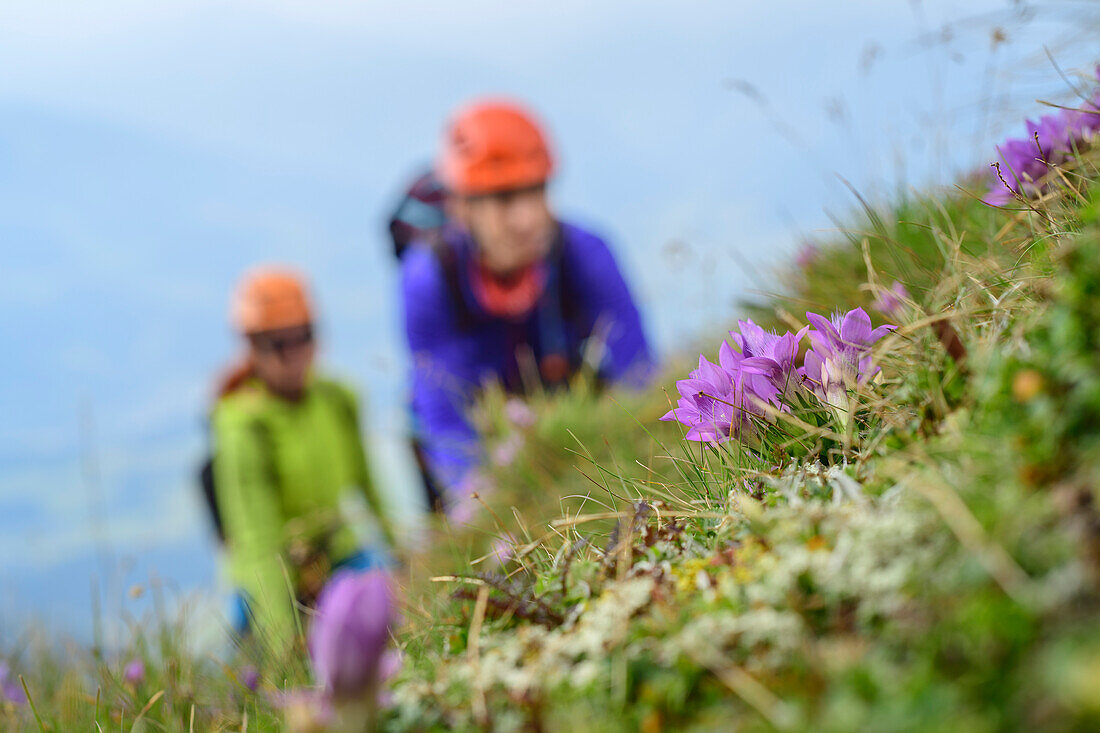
(283, 357)
(512, 229)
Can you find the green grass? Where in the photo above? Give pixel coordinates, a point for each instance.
(928, 561)
(913, 568)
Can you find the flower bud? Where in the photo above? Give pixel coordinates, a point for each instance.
(354, 614)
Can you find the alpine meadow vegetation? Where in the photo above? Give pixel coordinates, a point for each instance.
(871, 506)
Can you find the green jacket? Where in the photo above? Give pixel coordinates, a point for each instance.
(280, 468)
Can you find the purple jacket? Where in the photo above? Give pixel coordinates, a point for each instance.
(454, 354)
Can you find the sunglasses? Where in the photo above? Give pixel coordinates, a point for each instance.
(280, 342)
(509, 195)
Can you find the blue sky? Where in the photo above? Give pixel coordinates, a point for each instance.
(149, 151)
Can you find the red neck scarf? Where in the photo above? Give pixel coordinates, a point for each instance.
(511, 296)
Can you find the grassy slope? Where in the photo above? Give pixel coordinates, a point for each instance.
(930, 563)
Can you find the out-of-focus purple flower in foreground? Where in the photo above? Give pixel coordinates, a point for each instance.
(134, 674)
(348, 642)
(1051, 141)
(249, 676)
(891, 302)
(840, 355)
(350, 632)
(10, 688)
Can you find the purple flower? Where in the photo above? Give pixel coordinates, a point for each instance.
(1051, 137)
(782, 351)
(249, 676)
(713, 403)
(840, 357)
(503, 550)
(1050, 141)
(461, 506)
(1021, 168)
(518, 413)
(891, 303)
(708, 403)
(10, 687)
(806, 255)
(999, 195)
(392, 663)
(134, 674)
(354, 614)
(1080, 124)
(1085, 121)
(506, 450)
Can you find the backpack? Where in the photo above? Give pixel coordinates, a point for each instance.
(418, 213)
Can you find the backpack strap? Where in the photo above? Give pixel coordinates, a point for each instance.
(208, 478)
(206, 483)
(556, 364)
(448, 261)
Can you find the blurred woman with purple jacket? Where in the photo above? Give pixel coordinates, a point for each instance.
(503, 291)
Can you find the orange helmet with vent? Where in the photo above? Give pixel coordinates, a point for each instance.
(268, 299)
(493, 146)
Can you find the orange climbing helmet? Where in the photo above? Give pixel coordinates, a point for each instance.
(270, 298)
(492, 146)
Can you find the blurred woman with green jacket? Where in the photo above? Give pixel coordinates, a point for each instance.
(287, 449)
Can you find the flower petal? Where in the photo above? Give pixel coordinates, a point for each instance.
(822, 324)
(729, 359)
(812, 368)
(856, 328)
(881, 331)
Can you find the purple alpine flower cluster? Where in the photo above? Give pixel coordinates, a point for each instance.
(1051, 141)
(750, 385)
